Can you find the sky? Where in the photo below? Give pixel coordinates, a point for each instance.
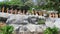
(1, 0)
(35, 2)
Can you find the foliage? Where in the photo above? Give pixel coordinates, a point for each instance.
(15, 2)
(6, 29)
(40, 4)
(41, 21)
(52, 5)
(29, 3)
(49, 30)
(12, 2)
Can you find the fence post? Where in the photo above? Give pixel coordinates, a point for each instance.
(2, 9)
(11, 11)
(15, 11)
(23, 12)
(7, 10)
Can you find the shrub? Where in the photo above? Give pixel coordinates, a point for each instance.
(41, 21)
(6, 29)
(49, 30)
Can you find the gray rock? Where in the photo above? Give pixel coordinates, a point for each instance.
(23, 28)
(33, 28)
(57, 22)
(22, 19)
(32, 20)
(17, 19)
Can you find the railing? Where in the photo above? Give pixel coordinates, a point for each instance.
(40, 13)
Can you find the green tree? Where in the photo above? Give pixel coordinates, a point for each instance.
(12, 2)
(29, 3)
(56, 5)
(52, 5)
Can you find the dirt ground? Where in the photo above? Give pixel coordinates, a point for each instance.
(2, 24)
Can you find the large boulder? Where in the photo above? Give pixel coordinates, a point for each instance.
(33, 20)
(50, 22)
(17, 19)
(22, 19)
(53, 22)
(33, 28)
(57, 23)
